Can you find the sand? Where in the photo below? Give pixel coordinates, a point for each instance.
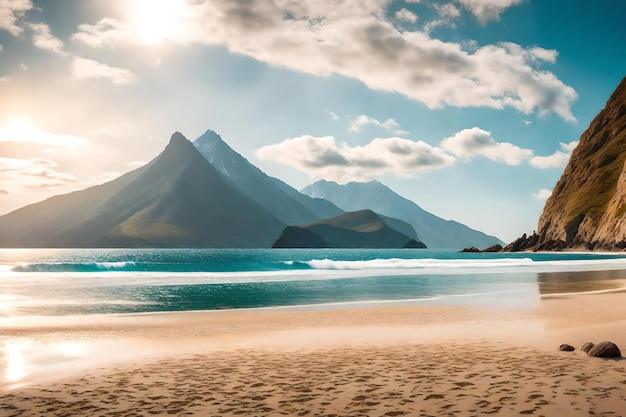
(374, 361)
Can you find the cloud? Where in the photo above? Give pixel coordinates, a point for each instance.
(332, 114)
(43, 39)
(447, 14)
(3, 192)
(469, 143)
(542, 194)
(83, 68)
(448, 10)
(42, 169)
(107, 33)
(25, 133)
(357, 39)
(406, 16)
(390, 124)
(559, 159)
(486, 10)
(10, 12)
(323, 157)
(4, 79)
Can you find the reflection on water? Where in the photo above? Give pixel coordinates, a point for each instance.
(14, 361)
(21, 358)
(579, 281)
(25, 361)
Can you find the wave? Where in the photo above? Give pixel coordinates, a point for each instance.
(75, 267)
(244, 267)
(173, 267)
(398, 263)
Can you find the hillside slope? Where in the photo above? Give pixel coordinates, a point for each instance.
(587, 209)
(359, 229)
(177, 200)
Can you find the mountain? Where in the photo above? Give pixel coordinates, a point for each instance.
(359, 229)
(587, 209)
(434, 231)
(283, 201)
(177, 200)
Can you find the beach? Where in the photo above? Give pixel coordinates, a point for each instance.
(360, 360)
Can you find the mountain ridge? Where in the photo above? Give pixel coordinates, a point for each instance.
(358, 229)
(283, 201)
(170, 202)
(434, 231)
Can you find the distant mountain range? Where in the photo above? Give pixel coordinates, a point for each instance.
(207, 195)
(434, 231)
(359, 229)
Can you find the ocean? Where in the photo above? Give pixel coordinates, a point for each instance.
(54, 282)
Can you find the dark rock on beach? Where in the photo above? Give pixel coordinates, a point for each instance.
(566, 348)
(587, 347)
(605, 350)
(494, 248)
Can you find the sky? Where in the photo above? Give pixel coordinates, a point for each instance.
(470, 108)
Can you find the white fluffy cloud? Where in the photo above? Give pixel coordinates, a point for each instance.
(357, 39)
(558, 159)
(83, 68)
(107, 33)
(542, 194)
(390, 124)
(469, 143)
(486, 10)
(10, 13)
(323, 157)
(406, 16)
(43, 39)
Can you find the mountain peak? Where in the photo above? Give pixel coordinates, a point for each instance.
(278, 198)
(179, 145)
(177, 137)
(210, 136)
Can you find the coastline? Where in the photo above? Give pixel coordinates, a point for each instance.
(319, 350)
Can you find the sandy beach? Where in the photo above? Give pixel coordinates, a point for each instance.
(360, 361)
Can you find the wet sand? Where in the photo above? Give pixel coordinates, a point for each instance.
(375, 361)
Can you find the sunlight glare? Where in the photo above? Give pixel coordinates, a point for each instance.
(15, 361)
(20, 129)
(70, 348)
(154, 20)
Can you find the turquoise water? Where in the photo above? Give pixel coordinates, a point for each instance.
(97, 281)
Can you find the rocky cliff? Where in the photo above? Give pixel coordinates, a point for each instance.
(587, 209)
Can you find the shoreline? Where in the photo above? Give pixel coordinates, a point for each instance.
(618, 285)
(317, 349)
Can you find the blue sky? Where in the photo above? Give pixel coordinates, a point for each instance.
(468, 107)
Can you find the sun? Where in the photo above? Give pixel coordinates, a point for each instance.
(154, 20)
(17, 128)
